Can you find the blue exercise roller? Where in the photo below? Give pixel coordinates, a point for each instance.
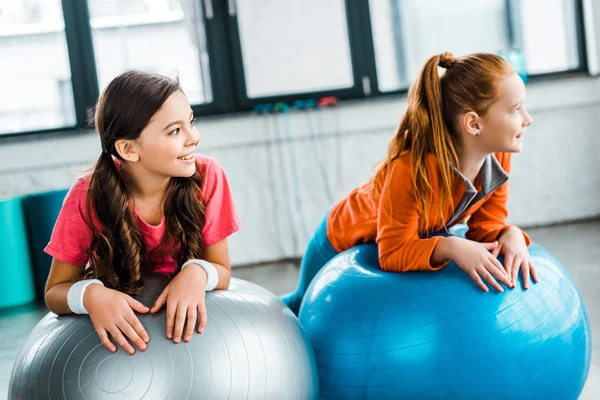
(16, 275)
(41, 212)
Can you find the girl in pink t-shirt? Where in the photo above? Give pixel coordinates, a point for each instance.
(151, 205)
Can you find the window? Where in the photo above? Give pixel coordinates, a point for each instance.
(407, 32)
(161, 36)
(36, 83)
(410, 31)
(239, 55)
(550, 43)
(291, 46)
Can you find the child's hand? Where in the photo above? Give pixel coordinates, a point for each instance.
(476, 260)
(512, 245)
(184, 296)
(112, 312)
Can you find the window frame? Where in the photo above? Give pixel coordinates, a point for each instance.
(227, 68)
(359, 65)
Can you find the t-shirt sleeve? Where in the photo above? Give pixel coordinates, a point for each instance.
(71, 236)
(221, 217)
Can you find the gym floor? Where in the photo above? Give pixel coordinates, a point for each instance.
(576, 245)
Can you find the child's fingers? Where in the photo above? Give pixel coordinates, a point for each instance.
(103, 335)
(136, 305)
(171, 313)
(192, 316)
(502, 274)
(533, 272)
(509, 264)
(496, 251)
(508, 270)
(490, 245)
(160, 302)
(498, 271)
(129, 332)
(485, 274)
(139, 328)
(515, 274)
(115, 332)
(137, 325)
(525, 272)
(498, 265)
(478, 281)
(179, 322)
(203, 317)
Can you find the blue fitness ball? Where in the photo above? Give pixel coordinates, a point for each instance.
(422, 335)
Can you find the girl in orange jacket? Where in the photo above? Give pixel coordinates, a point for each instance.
(448, 161)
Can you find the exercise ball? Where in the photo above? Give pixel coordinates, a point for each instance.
(16, 273)
(41, 211)
(437, 335)
(252, 348)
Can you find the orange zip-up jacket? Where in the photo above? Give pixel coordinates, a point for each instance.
(391, 216)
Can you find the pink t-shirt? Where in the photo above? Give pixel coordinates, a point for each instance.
(71, 236)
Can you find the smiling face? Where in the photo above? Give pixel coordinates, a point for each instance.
(167, 146)
(503, 127)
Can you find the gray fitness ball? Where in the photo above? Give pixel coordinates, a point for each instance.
(252, 348)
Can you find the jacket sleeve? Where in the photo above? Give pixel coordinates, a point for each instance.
(400, 247)
(488, 222)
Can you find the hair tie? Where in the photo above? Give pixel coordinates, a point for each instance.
(446, 60)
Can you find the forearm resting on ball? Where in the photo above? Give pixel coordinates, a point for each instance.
(60, 279)
(443, 251)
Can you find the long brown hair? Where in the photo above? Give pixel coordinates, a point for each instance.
(118, 249)
(470, 83)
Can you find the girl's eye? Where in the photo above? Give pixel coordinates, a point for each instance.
(517, 109)
(174, 132)
(192, 121)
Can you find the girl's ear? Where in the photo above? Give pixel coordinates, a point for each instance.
(127, 150)
(470, 123)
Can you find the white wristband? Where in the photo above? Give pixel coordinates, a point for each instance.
(75, 295)
(211, 272)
